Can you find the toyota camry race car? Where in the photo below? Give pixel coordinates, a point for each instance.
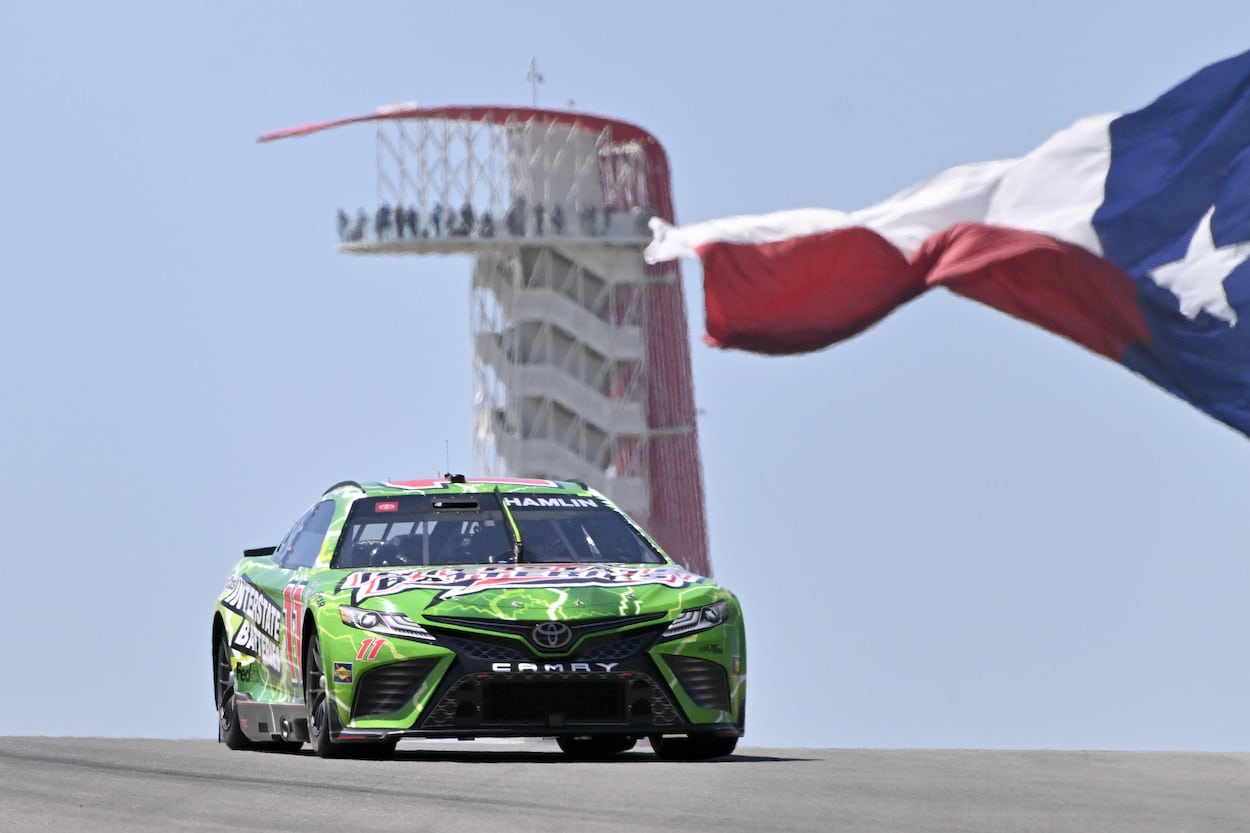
(462, 608)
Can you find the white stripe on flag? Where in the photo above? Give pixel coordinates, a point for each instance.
(1054, 189)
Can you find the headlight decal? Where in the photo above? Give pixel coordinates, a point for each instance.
(697, 619)
(384, 622)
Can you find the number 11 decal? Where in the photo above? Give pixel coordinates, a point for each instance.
(369, 648)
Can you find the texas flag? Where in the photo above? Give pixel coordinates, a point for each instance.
(1129, 234)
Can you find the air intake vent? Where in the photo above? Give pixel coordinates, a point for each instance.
(597, 701)
(390, 687)
(704, 682)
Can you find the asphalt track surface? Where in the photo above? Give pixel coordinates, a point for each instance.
(92, 784)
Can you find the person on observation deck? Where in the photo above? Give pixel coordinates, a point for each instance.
(357, 232)
(382, 222)
(516, 217)
(589, 219)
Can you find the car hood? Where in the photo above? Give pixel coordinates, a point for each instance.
(525, 591)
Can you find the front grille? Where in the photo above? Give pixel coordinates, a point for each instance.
(552, 700)
(390, 687)
(607, 648)
(703, 681)
(614, 651)
(532, 701)
(481, 649)
(525, 628)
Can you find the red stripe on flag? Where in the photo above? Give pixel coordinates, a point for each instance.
(1058, 286)
(805, 293)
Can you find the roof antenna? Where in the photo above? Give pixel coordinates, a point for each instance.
(534, 77)
(447, 454)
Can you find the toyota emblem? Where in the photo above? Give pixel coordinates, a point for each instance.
(552, 635)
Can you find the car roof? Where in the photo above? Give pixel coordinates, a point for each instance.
(458, 484)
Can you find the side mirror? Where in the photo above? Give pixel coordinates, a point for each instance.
(259, 551)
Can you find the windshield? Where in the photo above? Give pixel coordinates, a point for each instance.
(423, 530)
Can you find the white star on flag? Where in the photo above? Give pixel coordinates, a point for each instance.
(1197, 280)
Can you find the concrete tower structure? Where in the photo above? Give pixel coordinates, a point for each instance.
(581, 357)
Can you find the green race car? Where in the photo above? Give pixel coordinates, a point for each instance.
(462, 608)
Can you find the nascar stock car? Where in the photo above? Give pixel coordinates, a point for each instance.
(462, 608)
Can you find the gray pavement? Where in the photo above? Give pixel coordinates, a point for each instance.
(93, 784)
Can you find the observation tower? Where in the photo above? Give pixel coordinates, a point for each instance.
(581, 357)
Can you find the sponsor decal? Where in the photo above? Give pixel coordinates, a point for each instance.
(259, 633)
(552, 667)
(293, 611)
(342, 672)
(386, 506)
(245, 673)
(454, 582)
(369, 648)
(527, 501)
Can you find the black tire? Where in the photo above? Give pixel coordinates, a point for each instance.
(323, 718)
(594, 747)
(229, 731)
(693, 747)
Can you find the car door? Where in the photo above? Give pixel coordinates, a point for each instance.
(280, 610)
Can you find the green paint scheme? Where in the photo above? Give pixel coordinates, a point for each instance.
(268, 612)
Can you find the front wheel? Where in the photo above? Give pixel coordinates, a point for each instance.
(323, 717)
(693, 747)
(594, 747)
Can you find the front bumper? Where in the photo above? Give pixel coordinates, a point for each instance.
(639, 686)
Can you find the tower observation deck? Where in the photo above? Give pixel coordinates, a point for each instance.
(581, 357)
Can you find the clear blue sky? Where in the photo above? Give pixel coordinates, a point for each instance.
(952, 531)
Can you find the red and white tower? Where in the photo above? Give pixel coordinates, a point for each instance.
(581, 355)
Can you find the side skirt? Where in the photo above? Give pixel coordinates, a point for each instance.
(264, 722)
